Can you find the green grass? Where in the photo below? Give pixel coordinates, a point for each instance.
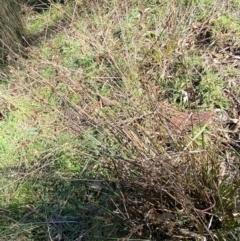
(39, 22)
(87, 147)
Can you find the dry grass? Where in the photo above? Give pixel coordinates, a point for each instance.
(12, 31)
(117, 149)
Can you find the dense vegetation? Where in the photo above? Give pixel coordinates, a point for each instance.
(119, 120)
(11, 30)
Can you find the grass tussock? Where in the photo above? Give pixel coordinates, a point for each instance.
(122, 122)
(12, 31)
